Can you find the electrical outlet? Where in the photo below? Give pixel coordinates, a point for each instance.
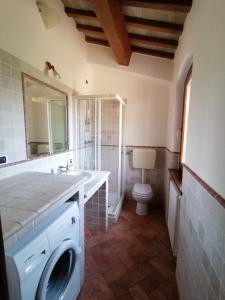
(3, 159)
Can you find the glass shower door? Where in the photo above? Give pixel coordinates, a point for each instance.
(98, 136)
(88, 145)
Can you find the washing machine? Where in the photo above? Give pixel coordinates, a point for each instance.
(45, 264)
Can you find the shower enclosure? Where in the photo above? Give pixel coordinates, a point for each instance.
(101, 143)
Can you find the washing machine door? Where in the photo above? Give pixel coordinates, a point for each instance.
(58, 272)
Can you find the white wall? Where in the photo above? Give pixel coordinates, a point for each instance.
(203, 37)
(150, 66)
(144, 84)
(23, 34)
(147, 104)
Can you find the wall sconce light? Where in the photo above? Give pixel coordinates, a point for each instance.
(49, 67)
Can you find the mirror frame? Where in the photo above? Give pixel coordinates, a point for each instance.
(25, 101)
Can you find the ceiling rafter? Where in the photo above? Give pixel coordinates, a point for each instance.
(154, 41)
(153, 52)
(134, 38)
(80, 13)
(171, 5)
(154, 25)
(88, 29)
(151, 25)
(97, 41)
(147, 51)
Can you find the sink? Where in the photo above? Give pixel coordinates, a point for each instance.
(86, 175)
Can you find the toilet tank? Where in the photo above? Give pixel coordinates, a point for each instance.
(144, 158)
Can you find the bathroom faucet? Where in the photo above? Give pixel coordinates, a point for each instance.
(61, 169)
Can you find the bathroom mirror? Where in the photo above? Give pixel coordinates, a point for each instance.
(46, 110)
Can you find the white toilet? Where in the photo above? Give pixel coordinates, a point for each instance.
(141, 192)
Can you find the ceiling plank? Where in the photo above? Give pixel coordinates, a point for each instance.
(150, 25)
(88, 29)
(153, 52)
(146, 51)
(153, 41)
(97, 41)
(171, 5)
(111, 18)
(134, 38)
(80, 13)
(153, 25)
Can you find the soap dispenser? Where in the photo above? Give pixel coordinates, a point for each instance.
(70, 165)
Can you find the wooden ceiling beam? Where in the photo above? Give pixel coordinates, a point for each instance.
(170, 5)
(134, 38)
(80, 14)
(153, 41)
(97, 41)
(151, 25)
(153, 52)
(88, 29)
(111, 18)
(146, 51)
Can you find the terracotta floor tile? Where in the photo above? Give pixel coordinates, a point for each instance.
(87, 291)
(149, 234)
(146, 268)
(130, 278)
(127, 260)
(163, 266)
(101, 289)
(148, 254)
(132, 260)
(119, 292)
(136, 231)
(152, 281)
(115, 272)
(138, 293)
(137, 248)
(169, 289)
(158, 295)
(142, 257)
(164, 238)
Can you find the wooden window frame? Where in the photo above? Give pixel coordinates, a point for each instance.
(183, 122)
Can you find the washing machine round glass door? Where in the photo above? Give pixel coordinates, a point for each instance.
(58, 272)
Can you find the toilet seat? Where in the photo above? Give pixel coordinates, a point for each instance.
(142, 190)
(141, 196)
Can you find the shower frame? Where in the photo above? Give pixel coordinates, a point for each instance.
(98, 145)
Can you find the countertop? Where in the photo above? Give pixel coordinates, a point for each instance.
(91, 187)
(28, 197)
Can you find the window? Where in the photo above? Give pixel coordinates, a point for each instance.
(186, 103)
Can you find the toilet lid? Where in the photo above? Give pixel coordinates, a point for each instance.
(142, 189)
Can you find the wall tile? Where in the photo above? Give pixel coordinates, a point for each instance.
(201, 253)
(12, 129)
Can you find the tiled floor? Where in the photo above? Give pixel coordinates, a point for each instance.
(132, 260)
